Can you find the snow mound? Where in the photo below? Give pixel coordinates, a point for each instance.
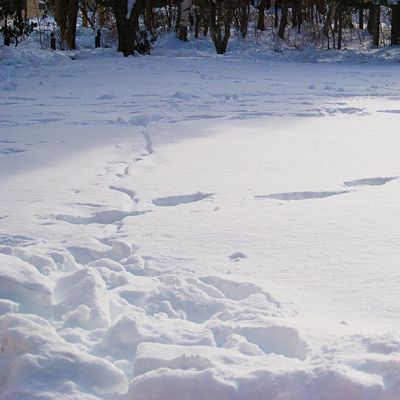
(35, 360)
(190, 384)
(22, 57)
(21, 283)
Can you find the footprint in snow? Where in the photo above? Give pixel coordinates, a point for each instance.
(172, 201)
(237, 256)
(106, 217)
(11, 150)
(378, 181)
(8, 141)
(300, 195)
(106, 97)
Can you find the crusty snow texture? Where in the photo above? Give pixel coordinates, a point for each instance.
(198, 227)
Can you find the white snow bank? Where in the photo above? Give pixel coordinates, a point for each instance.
(123, 338)
(82, 298)
(178, 372)
(191, 385)
(35, 361)
(29, 58)
(269, 48)
(21, 283)
(166, 371)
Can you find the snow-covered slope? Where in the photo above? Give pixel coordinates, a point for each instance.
(198, 227)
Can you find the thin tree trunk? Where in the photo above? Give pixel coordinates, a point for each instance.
(328, 22)
(299, 16)
(276, 15)
(284, 20)
(149, 15)
(395, 33)
(340, 29)
(376, 25)
(261, 15)
(370, 25)
(361, 18)
(84, 14)
(244, 18)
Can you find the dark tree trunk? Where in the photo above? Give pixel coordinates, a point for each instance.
(178, 16)
(340, 29)
(221, 16)
(361, 18)
(261, 15)
(371, 18)
(299, 15)
(66, 17)
(202, 18)
(127, 27)
(284, 20)
(84, 6)
(328, 22)
(376, 24)
(276, 15)
(395, 33)
(168, 14)
(149, 15)
(196, 23)
(296, 15)
(244, 18)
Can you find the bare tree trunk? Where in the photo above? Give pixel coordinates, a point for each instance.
(299, 15)
(149, 15)
(196, 23)
(186, 15)
(221, 16)
(66, 17)
(340, 29)
(395, 33)
(284, 20)
(127, 25)
(371, 17)
(261, 15)
(328, 22)
(244, 17)
(84, 13)
(276, 14)
(361, 18)
(168, 14)
(102, 16)
(376, 24)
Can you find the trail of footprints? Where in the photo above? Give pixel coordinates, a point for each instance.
(106, 217)
(289, 196)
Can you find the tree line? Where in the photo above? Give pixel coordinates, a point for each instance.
(138, 22)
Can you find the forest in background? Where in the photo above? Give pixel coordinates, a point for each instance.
(136, 25)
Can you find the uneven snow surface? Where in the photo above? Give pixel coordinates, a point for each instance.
(198, 228)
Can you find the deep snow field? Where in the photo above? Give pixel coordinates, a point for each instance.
(194, 227)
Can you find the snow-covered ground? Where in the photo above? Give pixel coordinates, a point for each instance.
(197, 227)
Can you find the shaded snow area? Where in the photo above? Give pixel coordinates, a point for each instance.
(198, 228)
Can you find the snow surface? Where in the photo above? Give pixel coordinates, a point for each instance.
(198, 227)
